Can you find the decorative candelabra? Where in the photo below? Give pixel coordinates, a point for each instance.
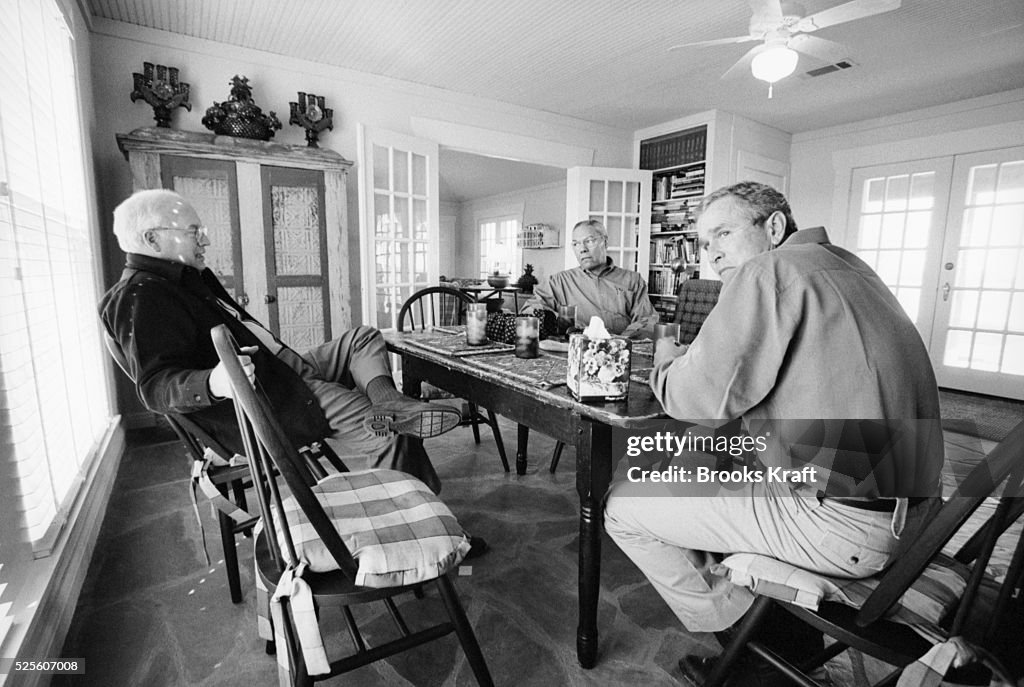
(311, 114)
(240, 116)
(159, 86)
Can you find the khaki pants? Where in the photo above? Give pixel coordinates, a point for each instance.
(675, 532)
(338, 372)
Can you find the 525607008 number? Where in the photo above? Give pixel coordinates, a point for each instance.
(52, 666)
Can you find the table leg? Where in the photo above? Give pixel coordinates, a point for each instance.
(523, 440)
(593, 474)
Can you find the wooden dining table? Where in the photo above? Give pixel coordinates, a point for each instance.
(531, 393)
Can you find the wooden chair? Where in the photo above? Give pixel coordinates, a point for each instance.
(274, 460)
(879, 625)
(695, 299)
(229, 480)
(439, 306)
(223, 483)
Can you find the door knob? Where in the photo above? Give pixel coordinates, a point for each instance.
(270, 298)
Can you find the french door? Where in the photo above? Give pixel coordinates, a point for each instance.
(621, 200)
(978, 341)
(947, 236)
(399, 220)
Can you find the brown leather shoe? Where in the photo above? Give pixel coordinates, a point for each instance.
(412, 418)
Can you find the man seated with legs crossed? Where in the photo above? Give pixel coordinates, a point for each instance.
(161, 312)
(806, 339)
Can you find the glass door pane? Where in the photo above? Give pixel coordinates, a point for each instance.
(897, 214)
(620, 200)
(979, 337)
(398, 175)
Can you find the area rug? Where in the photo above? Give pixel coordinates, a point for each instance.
(985, 417)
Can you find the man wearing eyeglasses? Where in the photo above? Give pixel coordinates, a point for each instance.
(162, 310)
(597, 287)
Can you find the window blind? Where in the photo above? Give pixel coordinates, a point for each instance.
(54, 406)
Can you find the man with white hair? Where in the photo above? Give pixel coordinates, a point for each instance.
(597, 287)
(162, 310)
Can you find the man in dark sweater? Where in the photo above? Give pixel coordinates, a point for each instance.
(162, 310)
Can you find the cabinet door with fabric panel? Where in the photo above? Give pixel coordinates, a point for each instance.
(277, 218)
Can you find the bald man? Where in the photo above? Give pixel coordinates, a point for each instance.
(162, 310)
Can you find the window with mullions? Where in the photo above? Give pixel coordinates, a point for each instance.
(54, 406)
(498, 249)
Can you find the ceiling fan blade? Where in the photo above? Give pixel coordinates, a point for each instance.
(717, 41)
(742, 66)
(820, 48)
(857, 9)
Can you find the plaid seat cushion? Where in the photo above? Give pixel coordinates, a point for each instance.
(397, 530)
(924, 604)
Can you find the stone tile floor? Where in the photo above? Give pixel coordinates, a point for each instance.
(153, 613)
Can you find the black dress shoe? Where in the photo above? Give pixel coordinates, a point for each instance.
(477, 547)
(697, 668)
(747, 671)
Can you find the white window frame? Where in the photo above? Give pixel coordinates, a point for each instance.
(57, 425)
(486, 265)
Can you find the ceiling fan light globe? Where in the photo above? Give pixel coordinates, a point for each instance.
(774, 64)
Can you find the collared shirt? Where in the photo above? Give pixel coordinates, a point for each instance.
(809, 332)
(617, 296)
(160, 314)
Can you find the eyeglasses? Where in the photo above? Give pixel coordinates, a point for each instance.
(589, 242)
(196, 232)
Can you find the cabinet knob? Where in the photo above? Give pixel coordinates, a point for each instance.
(270, 298)
(243, 299)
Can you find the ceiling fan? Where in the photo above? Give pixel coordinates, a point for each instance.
(782, 28)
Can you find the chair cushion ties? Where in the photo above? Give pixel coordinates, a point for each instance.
(291, 586)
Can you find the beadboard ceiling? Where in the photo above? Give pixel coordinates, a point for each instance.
(607, 61)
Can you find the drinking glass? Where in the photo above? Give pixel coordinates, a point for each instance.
(566, 318)
(666, 331)
(476, 324)
(527, 337)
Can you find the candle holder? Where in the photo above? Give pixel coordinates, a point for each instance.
(312, 115)
(159, 87)
(240, 116)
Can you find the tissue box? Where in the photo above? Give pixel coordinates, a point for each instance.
(598, 368)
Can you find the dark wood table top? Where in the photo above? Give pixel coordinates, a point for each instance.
(493, 368)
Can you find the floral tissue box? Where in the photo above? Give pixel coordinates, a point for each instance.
(598, 368)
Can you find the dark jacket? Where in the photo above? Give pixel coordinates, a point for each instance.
(160, 314)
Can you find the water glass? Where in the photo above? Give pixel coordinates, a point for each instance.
(476, 324)
(566, 318)
(666, 331)
(527, 337)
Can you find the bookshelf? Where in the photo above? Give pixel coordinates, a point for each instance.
(678, 162)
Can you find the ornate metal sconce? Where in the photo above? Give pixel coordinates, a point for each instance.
(311, 114)
(159, 86)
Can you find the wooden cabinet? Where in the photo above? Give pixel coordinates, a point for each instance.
(689, 158)
(277, 219)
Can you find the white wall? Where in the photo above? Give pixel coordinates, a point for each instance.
(822, 160)
(120, 49)
(541, 204)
